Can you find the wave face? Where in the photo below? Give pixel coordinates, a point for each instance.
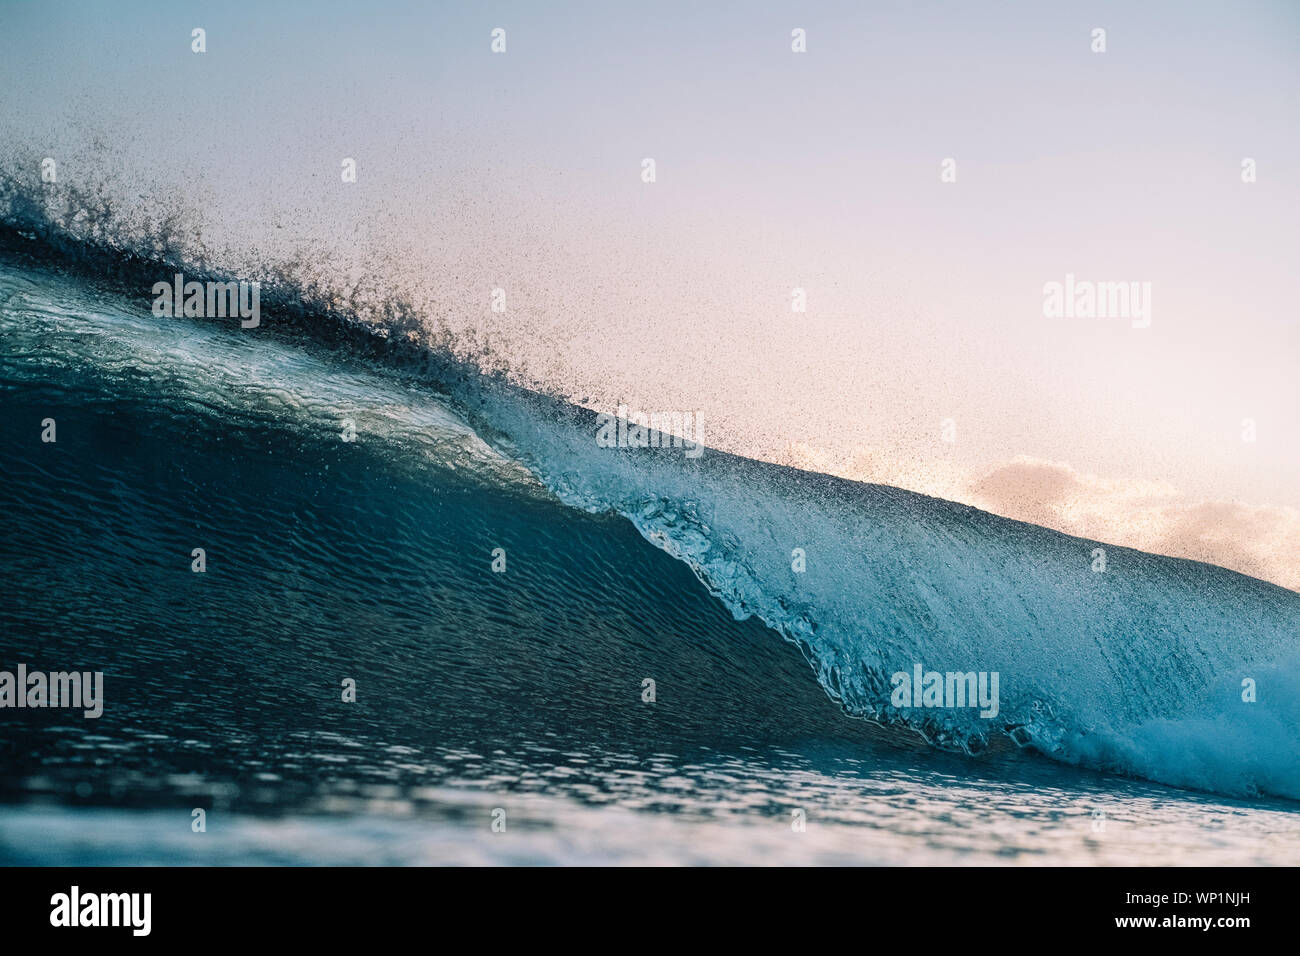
(347, 558)
(326, 559)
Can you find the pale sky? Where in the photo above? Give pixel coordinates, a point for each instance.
(775, 170)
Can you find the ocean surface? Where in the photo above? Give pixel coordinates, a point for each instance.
(502, 715)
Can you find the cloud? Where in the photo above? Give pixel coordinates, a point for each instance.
(1155, 516)
(1260, 540)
